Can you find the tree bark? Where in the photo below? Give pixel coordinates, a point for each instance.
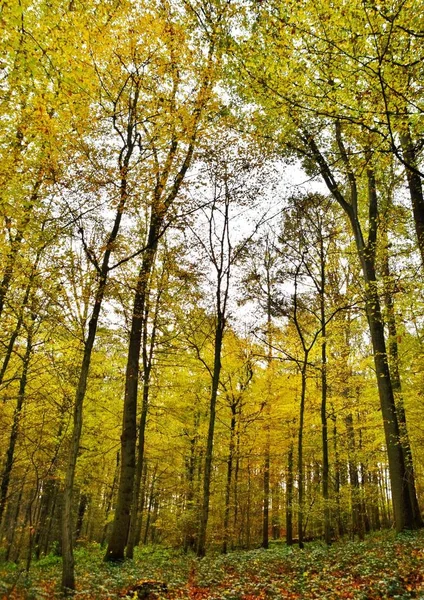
(397, 390)
(366, 252)
(228, 482)
(16, 242)
(300, 476)
(5, 480)
(119, 536)
(147, 359)
(324, 389)
(289, 497)
(357, 517)
(204, 514)
(415, 188)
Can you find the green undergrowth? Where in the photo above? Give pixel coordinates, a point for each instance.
(382, 566)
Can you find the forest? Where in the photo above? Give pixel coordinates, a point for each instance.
(211, 307)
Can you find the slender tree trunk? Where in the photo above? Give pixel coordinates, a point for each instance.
(68, 574)
(300, 476)
(13, 525)
(289, 496)
(119, 536)
(276, 511)
(204, 514)
(142, 503)
(110, 496)
(16, 242)
(21, 316)
(415, 188)
(147, 358)
(249, 505)
(324, 389)
(139, 471)
(266, 490)
(357, 520)
(228, 483)
(82, 507)
(236, 474)
(397, 390)
(5, 480)
(267, 407)
(150, 505)
(376, 522)
(340, 526)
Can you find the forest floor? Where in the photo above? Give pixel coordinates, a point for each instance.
(383, 566)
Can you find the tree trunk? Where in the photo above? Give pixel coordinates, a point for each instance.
(68, 574)
(139, 471)
(16, 241)
(82, 507)
(142, 503)
(204, 514)
(150, 505)
(109, 500)
(276, 511)
(119, 536)
(415, 188)
(289, 497)
(230, 460)
(402, 508)
(21, 316)
(147, 359)
(357, 518)
(397, 390)
(266, 490)
(300, 478)
(404, 517)
(324, 389)
(15, 427)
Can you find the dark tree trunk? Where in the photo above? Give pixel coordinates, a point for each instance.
(68, 573)
(21, 315)
(236, 474)
(82, 507)
(339, 520)
(228, 483)
(204, 513)
(12, 522)
(397, 390)
(132, 536)
(161, 203)
(357, 517)
(266, 491)
(375, 505)
(300, 475)
(16, 242)
(276, 507)
(324, 389)
(143, 490)
(403, 512)
(289, 497)
(5, 480)
(415, 188)
(119, 535)
(150, 505)
(110, 497)
(147, 359)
